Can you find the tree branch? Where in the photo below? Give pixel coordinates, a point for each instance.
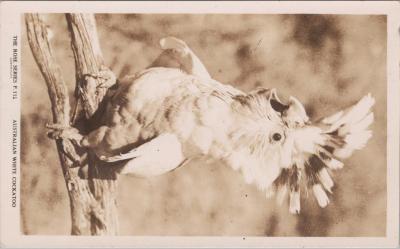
(88, 59)
(89, 63)
(92, 200)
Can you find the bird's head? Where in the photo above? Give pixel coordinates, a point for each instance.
(283, 152)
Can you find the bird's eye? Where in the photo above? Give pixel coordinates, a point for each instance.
(276, 137)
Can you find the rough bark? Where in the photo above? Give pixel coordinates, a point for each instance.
(88, 59)
(93, 199)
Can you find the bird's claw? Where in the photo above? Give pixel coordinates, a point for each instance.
(60, 131)
(70, 137)
(105, 76)
(56, 126)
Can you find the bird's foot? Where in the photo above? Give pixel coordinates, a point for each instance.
(70, 138)
(59, 131)
(105, 77)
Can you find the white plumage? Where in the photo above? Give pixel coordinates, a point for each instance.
(162, 116)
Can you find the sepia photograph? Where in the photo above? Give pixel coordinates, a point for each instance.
(196, 107)
(233, 125)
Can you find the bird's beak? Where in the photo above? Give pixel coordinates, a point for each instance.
(275, 102)
(296, 110)
(274, 95)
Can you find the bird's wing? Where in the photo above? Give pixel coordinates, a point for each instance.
(181, 110)
(157, 156)
(318, 149)
(348, 129)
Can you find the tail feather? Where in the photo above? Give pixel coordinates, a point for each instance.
(175, 44)
(189, 62)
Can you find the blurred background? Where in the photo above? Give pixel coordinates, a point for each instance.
(327, 61)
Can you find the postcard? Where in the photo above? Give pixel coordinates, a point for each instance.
(199, 124)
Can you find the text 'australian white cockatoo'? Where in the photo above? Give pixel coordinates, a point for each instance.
(173, 111)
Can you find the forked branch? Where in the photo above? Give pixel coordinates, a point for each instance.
(93, 199)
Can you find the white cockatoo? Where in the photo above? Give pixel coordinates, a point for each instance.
(173, 111)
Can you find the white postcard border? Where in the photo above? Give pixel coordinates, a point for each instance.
(11, 15)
